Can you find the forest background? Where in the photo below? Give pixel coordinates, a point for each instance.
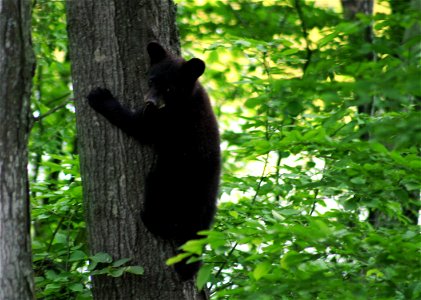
(321, 132)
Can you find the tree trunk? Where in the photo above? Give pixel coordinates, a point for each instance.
(351, 9)
(108, 49)
(411, 210)
(16, 71)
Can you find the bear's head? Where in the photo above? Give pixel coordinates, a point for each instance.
(172, 80)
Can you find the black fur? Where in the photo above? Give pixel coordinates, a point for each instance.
(177, 119)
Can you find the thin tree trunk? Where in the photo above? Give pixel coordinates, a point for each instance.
(16, 71)
(108, 49)
(411, 210)
(351, 9)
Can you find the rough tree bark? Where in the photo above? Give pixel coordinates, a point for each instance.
(16, 71)
(108, 49)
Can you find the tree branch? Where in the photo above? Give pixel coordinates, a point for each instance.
(53, 110)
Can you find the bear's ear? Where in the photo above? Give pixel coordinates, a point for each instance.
(156, 52)
(193, 68)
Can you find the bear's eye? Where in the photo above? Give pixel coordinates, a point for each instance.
(169, 89)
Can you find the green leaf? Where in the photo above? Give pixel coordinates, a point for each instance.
(327, 39)
(203, 276)
(289, 51)
(289, 212)
(277, 215)
(242, 43)
(194, 246)
(138, 270)
(121, 262)
(261, 146)
(116, 272)
(233, 214)
(374, 272)
(415, 164)
(76, 287)
(378, 147)
(253, 102)
(291, 260)
(101, 272)
(102, 257)
(51, 275)
(53, 286)
(177, 258)
(77, 255)
(261, 270)
(358, 180)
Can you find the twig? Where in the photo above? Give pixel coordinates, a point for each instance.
(53, 110)
(224, 263)
(252, 202)
(260, 180)
(55, 233)
(313, 207)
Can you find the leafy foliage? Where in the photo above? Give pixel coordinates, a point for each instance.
(312, 208)
(319, 199)
(59, 242)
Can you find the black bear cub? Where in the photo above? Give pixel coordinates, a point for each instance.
(178, 121)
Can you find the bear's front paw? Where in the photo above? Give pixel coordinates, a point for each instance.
(100, 98)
